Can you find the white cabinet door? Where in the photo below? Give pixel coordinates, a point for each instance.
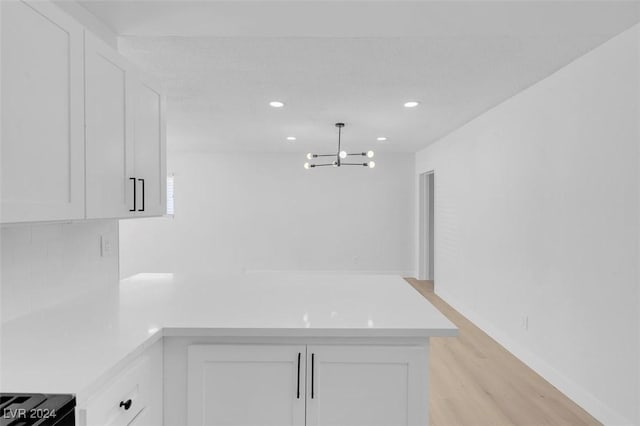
(142, 419)
(109, 132)
(122, 398)
(42, 114)
(150, 149)
(366, 386)
(246, 385)
(132, 397)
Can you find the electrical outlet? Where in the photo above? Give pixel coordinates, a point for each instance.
(524, 322)
(105, 246)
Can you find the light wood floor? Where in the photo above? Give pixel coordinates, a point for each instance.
(473, 381)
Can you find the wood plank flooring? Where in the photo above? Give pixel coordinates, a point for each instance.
(473, 381)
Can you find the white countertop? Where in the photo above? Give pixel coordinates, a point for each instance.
(67, 348)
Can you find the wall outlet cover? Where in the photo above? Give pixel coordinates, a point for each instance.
(106, 247)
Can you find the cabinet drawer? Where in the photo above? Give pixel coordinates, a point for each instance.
(129, 388)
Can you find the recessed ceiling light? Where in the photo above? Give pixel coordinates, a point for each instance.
(291, 138)
(276, 104)
(382, 138)
(411, 104)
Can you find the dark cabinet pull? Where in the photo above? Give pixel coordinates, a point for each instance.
(142, 181)
(126, 404)
(134, 194)
(298, 391)
(313, 359)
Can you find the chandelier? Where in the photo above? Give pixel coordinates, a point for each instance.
(340, 155)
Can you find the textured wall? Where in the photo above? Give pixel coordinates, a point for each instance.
(45, 264)
(537, 220)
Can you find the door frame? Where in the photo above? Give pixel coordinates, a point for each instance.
(426, 225)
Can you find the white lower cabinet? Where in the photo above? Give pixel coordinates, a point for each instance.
(123, 399)
(246, 385)
(316, 385)
(132, 397)
(142, 419)
(366, 386)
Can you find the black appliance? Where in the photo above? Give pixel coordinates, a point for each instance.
(36, 409)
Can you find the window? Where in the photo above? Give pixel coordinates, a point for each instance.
(170, 205)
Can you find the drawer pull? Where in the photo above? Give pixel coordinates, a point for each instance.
(313, 367)
(126, 404)
(142, 182)
(298, 391)
(134, 194)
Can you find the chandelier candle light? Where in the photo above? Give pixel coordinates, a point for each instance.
(340, 155)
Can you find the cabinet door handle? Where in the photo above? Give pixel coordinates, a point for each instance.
(298, 391)
(134, 194)
(142, 182)
(126, 404)
(313, 362)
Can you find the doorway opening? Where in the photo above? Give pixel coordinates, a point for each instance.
(426, 227)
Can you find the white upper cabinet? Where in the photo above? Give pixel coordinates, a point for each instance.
(125, 137)
(42, 114)
(83, 135)
(109, 132)
(150, 148)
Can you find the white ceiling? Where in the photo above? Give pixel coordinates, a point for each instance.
(351, 61)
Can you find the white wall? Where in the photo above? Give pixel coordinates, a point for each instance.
(266, 212)
(537, 215)
(45, 264)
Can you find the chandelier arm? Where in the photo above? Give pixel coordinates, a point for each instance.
(340, 155)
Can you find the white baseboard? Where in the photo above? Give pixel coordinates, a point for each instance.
(312, 271)
(576, 393)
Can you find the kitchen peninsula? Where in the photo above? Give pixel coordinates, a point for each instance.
(267, 348)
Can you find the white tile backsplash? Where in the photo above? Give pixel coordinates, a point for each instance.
(45, 264)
